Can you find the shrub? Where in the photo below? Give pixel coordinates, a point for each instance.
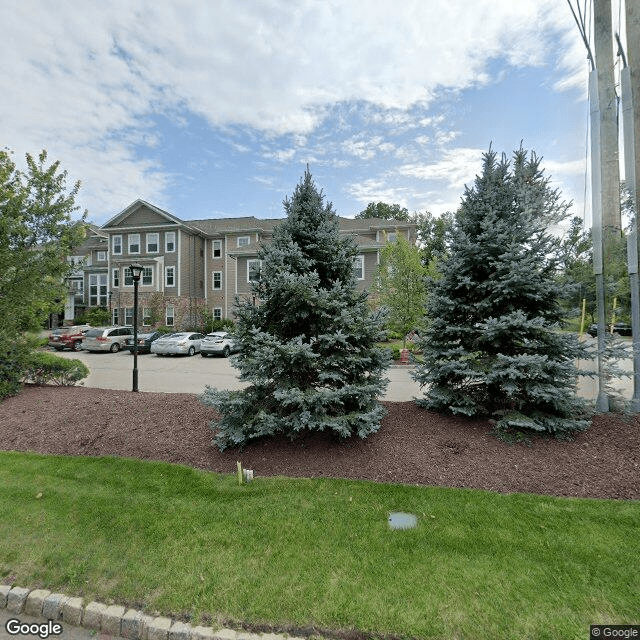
(95, 316)
(47, 368)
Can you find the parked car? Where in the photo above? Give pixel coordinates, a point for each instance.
(185, 343)
(68, 337)
(106, 338)
(144, 341)
(621, 328)
(219, 343)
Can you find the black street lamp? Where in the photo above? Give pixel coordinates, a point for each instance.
(136, 272)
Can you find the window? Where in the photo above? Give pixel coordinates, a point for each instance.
(244, 241)
(128, 277)
(169, 276)
(253, 270)
(217, 280)
(116, 316)
(77, 286)
(170, 241)
(358, 267)
(217, 313)
(115, 277)
(147, 276)
(134, 243)
(116, 245)
(170, 315)
(102, 256)
(392, 236)
(217, 248)
(97, 289)
(152, 242)
(128, 315)
(146, 317)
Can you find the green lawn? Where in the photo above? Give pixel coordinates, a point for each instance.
(318, 552)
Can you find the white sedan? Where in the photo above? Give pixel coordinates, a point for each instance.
(218, 343)
(185, 343)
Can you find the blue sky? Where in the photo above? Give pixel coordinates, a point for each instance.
(214, 109)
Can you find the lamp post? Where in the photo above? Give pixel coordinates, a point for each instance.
(136, 272)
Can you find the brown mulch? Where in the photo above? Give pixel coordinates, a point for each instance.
(413, 446)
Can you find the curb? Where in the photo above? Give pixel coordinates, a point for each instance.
(115, 619)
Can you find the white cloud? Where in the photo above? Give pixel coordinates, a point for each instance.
(456, 168)
(85, 81)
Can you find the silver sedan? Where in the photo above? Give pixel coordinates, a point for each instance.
(185, 343)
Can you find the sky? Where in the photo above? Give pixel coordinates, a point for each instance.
(214, 108)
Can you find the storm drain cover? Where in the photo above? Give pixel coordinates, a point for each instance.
(399, 520)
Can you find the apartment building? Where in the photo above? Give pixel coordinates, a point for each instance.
(193, 267)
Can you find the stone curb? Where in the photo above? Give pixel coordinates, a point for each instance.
(115, 619)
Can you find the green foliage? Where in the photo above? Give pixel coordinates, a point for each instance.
(309, 347)
(400, 284)
(384, 211)
(36, 235)
(48, 368)
(223, 325)
(576, 274)
(95, 316)
(492, 347)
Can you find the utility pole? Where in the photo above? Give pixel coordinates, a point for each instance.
(605, 172)
(630, 83)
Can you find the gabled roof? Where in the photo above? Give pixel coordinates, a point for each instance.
(248, 224)
(137, 204)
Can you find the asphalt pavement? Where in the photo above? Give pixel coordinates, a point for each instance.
(184, 374)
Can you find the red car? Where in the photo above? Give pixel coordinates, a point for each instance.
(68, 337)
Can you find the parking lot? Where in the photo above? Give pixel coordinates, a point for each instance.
(183, 374)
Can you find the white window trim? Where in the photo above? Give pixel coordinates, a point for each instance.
(214, 313)
(146, 284)
(128, 315)
(115, 276)
(172, 316)
(213, 281)
(129, 243)
(166, 273)
(361, 257)
(113, 245)
(101, 256)
(247, 238)
(249, 269)
(157, 242)
(166, 241)
(146, 314)
(213, 248)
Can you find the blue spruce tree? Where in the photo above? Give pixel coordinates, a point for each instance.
(308, 348)
(493, 347)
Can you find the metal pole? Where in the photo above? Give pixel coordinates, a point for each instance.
(135, 333)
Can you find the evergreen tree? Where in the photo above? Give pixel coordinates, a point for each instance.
(493, 348)
(309, 348)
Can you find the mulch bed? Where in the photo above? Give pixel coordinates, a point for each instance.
(413, 446)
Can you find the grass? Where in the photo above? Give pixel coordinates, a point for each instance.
(318, 552)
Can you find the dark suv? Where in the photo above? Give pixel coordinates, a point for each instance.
(68, 337)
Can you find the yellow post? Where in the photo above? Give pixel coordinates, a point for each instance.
(584, 313)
